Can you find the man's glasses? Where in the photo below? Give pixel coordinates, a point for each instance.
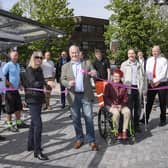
(38, 57)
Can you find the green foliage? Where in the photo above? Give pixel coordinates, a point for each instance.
(54, 13)
(17, 9)
(136, 24)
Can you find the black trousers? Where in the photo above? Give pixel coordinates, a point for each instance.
(134, 105)
(62, 95)
(162, 100)
(35, 131)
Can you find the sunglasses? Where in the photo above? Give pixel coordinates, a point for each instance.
(38, 57)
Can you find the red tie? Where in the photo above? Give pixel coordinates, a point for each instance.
(154, 69)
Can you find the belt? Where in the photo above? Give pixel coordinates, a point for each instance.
(134, 85)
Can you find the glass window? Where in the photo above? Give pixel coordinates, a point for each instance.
(91, 28)
(85, 45)
(92, 45)
(78, 28)
(84, 28)
(100, 29)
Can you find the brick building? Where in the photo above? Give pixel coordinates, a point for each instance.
(88, 33)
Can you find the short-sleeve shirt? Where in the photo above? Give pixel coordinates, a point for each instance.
(48, 68)
(2, 77)
(12, 73)
(101, 67)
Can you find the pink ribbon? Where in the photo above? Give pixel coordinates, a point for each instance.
(8, 89)
(122, 85)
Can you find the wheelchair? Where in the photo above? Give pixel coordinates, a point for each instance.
(105, 124)
(108, 131)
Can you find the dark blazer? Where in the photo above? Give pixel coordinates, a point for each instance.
(34, 79)
(115, 95)
(59, 68)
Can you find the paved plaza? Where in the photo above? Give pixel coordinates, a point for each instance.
(149, 151)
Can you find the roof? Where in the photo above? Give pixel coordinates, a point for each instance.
(16, 30)
(90, 20)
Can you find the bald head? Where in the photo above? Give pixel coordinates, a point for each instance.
(74, 53)
(156, 51)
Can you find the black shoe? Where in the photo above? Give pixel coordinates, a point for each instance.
(41, 156)
(23, 125)
(162, 123)
(63, 106)
(13, 129)
(2, 138)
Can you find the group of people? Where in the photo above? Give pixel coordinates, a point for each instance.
(70, 72)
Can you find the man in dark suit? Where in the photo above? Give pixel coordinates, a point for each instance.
(63, 60)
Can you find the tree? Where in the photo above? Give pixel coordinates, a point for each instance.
(136, 24)
(54, 13)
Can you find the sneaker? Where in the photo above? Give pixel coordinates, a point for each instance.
(23, 125)
(13, 129)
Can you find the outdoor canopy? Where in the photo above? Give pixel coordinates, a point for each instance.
(16, 30)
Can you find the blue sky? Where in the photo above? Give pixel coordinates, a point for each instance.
(93, 8)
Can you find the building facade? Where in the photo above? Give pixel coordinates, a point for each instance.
(89, 33)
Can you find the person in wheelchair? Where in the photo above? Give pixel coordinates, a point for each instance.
(115, 100)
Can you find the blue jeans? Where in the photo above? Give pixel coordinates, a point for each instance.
(81, 102)
(35, 131)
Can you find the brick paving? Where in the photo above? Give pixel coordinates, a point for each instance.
(149, 151)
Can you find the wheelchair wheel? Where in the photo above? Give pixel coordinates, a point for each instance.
(102, 122)
(131, 132)
(105, 124)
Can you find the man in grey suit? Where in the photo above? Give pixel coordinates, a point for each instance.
(80, 95)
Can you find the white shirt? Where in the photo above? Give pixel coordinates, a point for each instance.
(161, 69)
(2, 77)
(133, 73)
(141, 62)
(77, 67)
(48, 68)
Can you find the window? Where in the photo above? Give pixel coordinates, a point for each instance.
(85, 45)
(84, 28)
(78, 28)
(91, 28)
(100, 29)
(92, 45)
